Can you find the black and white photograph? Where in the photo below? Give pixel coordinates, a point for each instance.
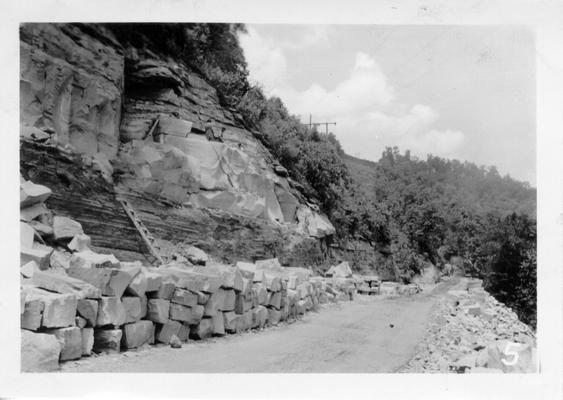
(240, 196)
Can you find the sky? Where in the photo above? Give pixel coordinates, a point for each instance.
(464, 92)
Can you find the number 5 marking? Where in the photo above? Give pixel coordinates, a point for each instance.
(511, 352)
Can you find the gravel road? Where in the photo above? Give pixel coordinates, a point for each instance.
(370, 334)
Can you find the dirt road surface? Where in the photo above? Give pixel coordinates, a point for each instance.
(370, 334)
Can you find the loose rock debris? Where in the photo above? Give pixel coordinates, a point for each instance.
(474, 333)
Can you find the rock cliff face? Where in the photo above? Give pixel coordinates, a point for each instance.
(156, 134)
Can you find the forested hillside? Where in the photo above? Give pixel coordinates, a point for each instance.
(414, 212)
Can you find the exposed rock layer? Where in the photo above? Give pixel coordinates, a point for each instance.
(197, 176)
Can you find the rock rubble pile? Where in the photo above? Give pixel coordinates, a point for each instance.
(474, 333)
(75, 301)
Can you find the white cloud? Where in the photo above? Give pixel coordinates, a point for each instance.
(368, 114)
(266, 62)
(306, 36)
(364, 90)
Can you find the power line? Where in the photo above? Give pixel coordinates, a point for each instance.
(311, 123)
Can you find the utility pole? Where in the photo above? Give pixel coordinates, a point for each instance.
(311, 124)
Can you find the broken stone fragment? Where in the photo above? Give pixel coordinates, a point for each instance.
(158, 310)
(61, 283)
(175, 342)
(28, 214)
(341, 270)
(259, 317)
(184, 332)
(87, 341)
(214, 303)
(27, 270)
(40, 352)
(229, 296)
(246, 269)
(195, 255)
(27, 235)
(79, 243)
(275, 300)
(244, 322)
(202, 298)
(119, 280)
(165, 290)
(179, 312)
(138, 285)
(271, 265)
(32, 314)
(79, 321)
(38, 253)
(218, 324)
(165, 331)
(231, 277)
(187, 278)
(273, 316)
(133, 309)
(242, 304)
(65, 228)
(184, 297)
(230, 321)
(60, 260)
(273, 283)
(88, 309)
(97, 277)
(89, 259)
(196, 315)
(111, 312)
(138, 334)
(107, 340)
(203, 330)
(262, 294)
(31, 193)
(41, 229)
(59, 310)
(71, 342)
(154, 280)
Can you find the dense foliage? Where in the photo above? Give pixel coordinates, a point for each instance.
(413, 212)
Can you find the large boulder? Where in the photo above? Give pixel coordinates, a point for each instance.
(61, 283)
(314, 224)
(59, 310)
(138, 334)
(133, 309)
(111, 312)
(40, 352)
(188, 278)
(158, 310)
(184, 297)
(71, 341)
(165, 331)
(119, 281)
